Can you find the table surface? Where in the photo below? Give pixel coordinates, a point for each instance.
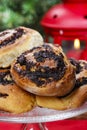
(57, 125)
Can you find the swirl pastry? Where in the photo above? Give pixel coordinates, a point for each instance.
(76, 97)
(15, 41)
(44, 70)
(12, 98)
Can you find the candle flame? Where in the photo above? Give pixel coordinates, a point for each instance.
(77, 44)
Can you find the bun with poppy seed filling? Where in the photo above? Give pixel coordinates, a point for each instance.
(13, 99)
(44, 70)
(13, 42)
(76, 97)
(81, 73)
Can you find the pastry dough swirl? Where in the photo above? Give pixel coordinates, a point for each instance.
(44, 70)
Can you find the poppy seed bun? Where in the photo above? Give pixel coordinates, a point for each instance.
(76, 97)
(13, 99)
(81, 72)
(15, 41)
(44, 70)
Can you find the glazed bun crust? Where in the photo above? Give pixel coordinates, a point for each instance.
(44, 70)
(13, 42)
(13, 99)
(74, 100)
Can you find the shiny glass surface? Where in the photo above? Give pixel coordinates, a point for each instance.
(42, 115)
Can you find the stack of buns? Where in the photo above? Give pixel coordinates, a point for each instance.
(13, 42)
(76, 97)
(34, 73)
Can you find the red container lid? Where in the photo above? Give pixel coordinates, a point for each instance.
(66, 16)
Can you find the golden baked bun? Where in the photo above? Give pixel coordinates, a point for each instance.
(15, 41)
(12, 98)
(44, 71)
(76, 97)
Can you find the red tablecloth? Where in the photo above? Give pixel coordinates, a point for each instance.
(57, 125)
(67, 125)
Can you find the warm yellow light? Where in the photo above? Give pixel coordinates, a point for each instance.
(77, 44)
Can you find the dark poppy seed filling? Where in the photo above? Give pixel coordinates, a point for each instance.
(39, 73)
(18, 32)
(80, 82)
(3, 33)
(80, 65)
(4, 95)
(5, 78)
(42, 55)
(47, 47)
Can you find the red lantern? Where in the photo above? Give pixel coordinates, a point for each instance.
(67, 23)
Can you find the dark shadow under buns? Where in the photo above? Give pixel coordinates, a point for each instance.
(13, 42)
(12, 98)
(76, 97)
(44, 71)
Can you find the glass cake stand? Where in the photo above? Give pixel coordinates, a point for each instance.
(41, 115)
